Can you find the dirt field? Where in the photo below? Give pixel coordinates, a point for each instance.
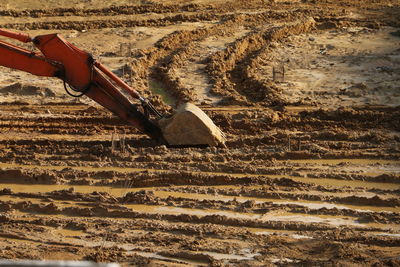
(311, 172)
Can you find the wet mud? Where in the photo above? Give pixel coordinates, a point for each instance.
(310, 175)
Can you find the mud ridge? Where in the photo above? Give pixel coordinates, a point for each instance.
(101, 24)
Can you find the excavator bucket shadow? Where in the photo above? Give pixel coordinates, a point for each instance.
(190, 126)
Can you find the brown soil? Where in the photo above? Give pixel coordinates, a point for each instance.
(311, 172)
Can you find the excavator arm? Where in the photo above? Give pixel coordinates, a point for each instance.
(77, 68)
(25, 60)
(188, 126)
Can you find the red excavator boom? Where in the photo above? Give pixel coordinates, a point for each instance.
(77, 68)
(188, 126)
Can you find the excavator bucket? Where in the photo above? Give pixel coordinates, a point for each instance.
(189, 125)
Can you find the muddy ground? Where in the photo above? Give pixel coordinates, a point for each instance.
(310, 175)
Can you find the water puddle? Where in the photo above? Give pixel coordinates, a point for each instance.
(305, 218)
(214, 255)
(84, 189)
(280, 216)
(267, 231)
(386, 227)
(43, 201)
(79, 168)
(341, 161)
(320, 205)
(340, 183)
(18, 199)
(159, 192)
(188, 211)
(223, 256)
(301, 236)
(305, 203)
(288, 233)
(157, 88)
(268, 217)
(389, 235)
(173, 259)
(21, 241)
(319, 181)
